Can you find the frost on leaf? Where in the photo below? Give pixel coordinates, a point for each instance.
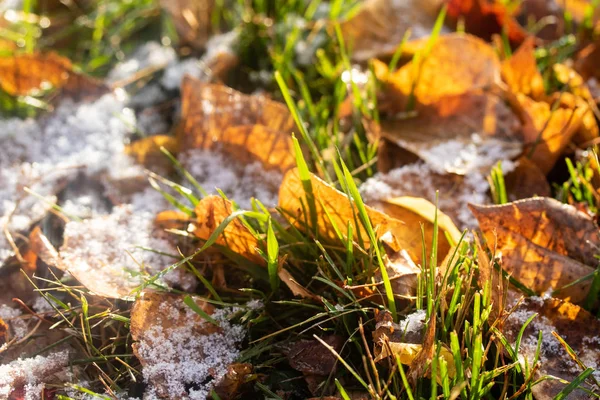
(182, 355)
(28, 376)
(379, 26)
(577, 327)
(248, 128)
(543, 243)
(458, 134)
(21, 74)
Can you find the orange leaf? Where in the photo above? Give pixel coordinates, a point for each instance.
(333, 206)
(520, 71)
(147, 150)
(456, 64)
(543, 243)
(21, 74)
(211, 211)
(548, 131)
(246, 127)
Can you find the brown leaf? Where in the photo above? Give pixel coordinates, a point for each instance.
(192, 20)
(459, 133)
(520, 71)
(157, 318)
(456, 64)
(526, 180)
(211, 211)
(41, 246)
(311, 357)
(378, 27)
(333, 207)
(544, 244)
(575, 325)
(230, 386)
(147, 151)
(21, 74)
(548, 131)
(246, 127)
(485, 19)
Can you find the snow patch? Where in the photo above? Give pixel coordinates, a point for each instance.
(239, 182)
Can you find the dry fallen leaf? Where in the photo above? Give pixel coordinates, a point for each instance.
(378, 27)
(485, 19)
(246, 127)
(192, 20)
(577, 327)
(169, 335)
(578, 97)
(334, 207)
(548, 131)
(24, 73)
(415, 213)
(543, 243)
(456, 64)
(520, 71)
(525, 181)
(211, 211)
(147, 151)
(459, 133)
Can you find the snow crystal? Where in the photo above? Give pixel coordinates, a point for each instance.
(177, 356)
(107, 248)
(31, 374)
(239, 182)
(458, 157)
(420, 180)
(40, 154)
(413, 323)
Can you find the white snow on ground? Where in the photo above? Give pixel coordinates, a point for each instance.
(458, 157)
(239, 182)
(41, 154)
